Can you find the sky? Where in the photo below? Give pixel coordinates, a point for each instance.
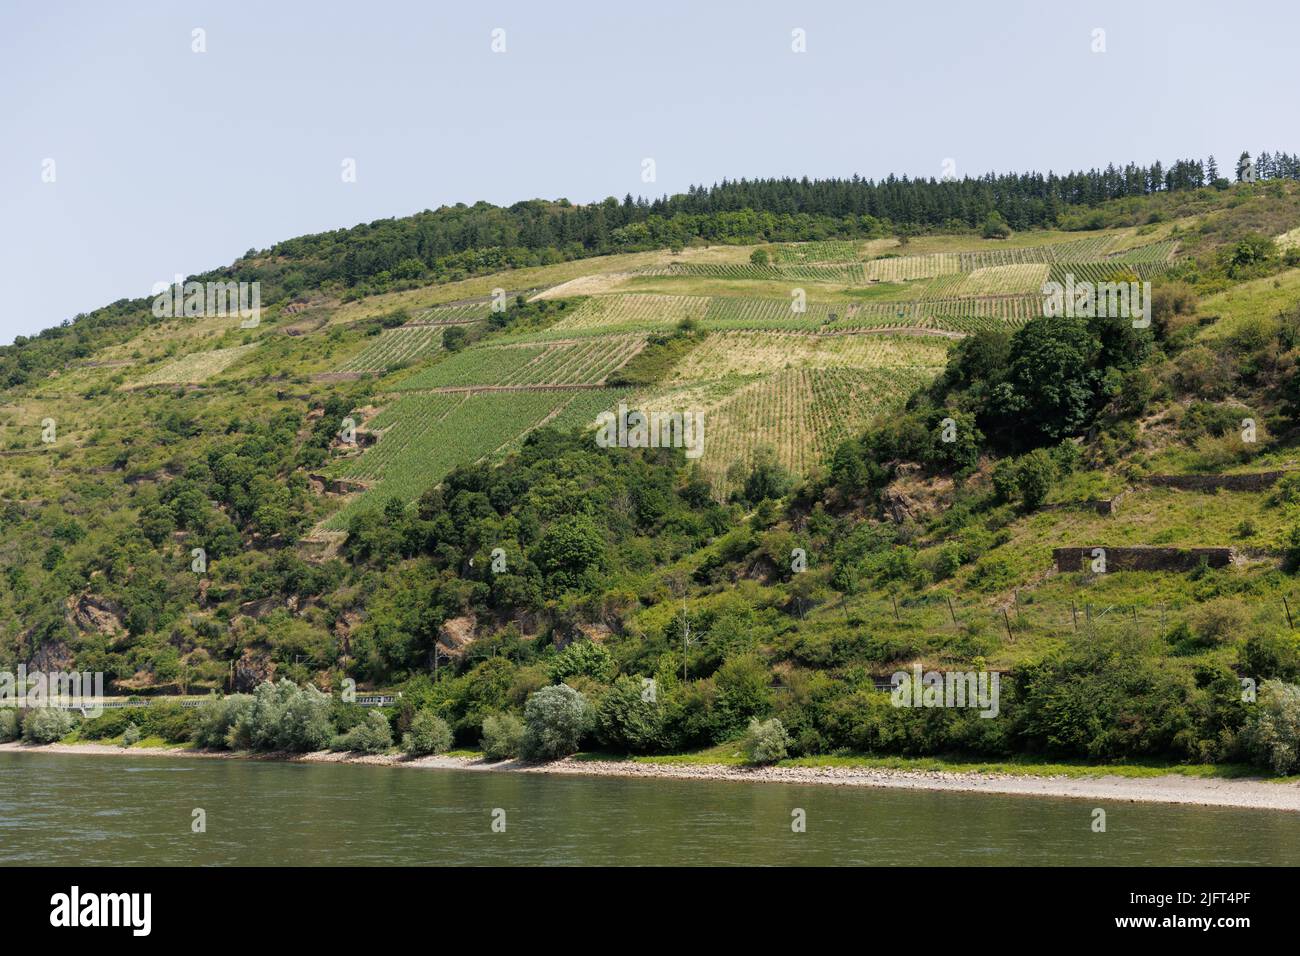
(128, 157)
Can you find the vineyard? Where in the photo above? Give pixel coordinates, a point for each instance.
(394, 347)
(585, 362)
(831, 250)
(765, 375)
(198, 367)
(728, 313)
(647, 312)
(801, 414)
(423, 437)
(452, 314)
(752, 353)
(906, 268)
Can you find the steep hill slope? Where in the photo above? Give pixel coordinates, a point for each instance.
(902, 462)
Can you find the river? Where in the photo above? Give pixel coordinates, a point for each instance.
(59, 809)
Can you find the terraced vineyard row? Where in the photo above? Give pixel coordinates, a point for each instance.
(587, 362)
(729, 313)
(631, 311)
(452, 314)
(757, 353)
(392, 347)
(906, 268)
(1105, 271)
(851, 272)
(196, 367)
(829, 250)
(1162, 252)
(997, 309)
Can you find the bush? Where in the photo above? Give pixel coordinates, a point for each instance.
(1035, 474)
(11, 725)
(582, 659)
(628, 720)
(131, 735)
(374, 735)
(503, 736)
(214, 719)
(284, 716)
(1221, 621)
(555, 719)
(429, 734)
(45, 725)
(766, 742)
(1272, 733)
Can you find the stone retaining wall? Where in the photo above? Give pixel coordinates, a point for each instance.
(1142, 558)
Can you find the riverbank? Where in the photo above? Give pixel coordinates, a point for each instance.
(1241, 792)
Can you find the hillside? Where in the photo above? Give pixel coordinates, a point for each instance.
(393, 475)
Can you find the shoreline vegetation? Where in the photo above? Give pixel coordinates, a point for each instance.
(1195, 785)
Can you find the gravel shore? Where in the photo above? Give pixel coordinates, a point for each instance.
(1250, 793)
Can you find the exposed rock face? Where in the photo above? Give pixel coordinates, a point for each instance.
(598, 633)
(91, 613)
(456, 634)
(261, 607)
(253, 668)
(910, 497)
(51, 657)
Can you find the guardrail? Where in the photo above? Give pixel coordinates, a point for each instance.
(117, 703)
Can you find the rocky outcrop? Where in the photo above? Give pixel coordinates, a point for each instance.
(457, 634)
(253, 668)
(92, 614)
(51, 658)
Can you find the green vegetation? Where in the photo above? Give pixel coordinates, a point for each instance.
(896, 440)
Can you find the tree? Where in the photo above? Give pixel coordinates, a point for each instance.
(758, 257)
(555, 720)
(766, 741)
(1211, 170)
(1272, 734)
(995, 227)
(503, 736)
(1243, 162)
(570, 548)
(1049, 391)
(1035, 473)
(429, 734)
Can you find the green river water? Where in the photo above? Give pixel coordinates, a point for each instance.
(87, 810)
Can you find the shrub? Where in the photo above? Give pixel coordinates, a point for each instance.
(1272, 733)
(374, 735)
(429, 734)
(1217, 622)
(45, 725)
(1035, 473)
(131, 735)
(555, 719)
(11, 725)
(628, 719)
(284, 716)
(766, 742)
(213, 719)
(503, 736)
(582, 659)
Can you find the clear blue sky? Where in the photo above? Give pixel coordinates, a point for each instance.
(170, 161)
